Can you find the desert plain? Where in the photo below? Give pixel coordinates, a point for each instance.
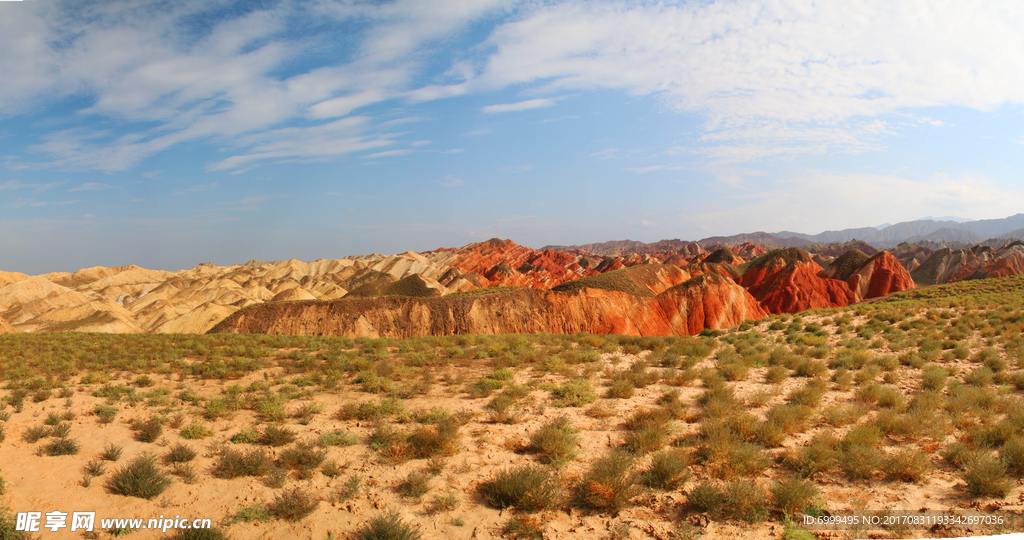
(715, 393)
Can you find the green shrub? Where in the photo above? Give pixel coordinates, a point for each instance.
(792, 496)
(105, 413)
(276, 436)
(1012, 455)
(245, 436)
(92, 468)
(610, 483)
(233, 463)
(986, 476)
(61, 447)
(111, 452)
(650, 430)
(349, 488)
(302, 457)
(147, 431)
(707, 497)
(415, 485)
(907, 465)
(442, 438)
(292, 505)
(746, 501)
(140, 478)
(528, 488)
(179, 453)
(387, 527)
(198, 534)
(338, 438)
(555, 441)
(33, 434)
(574, 393)
(621, 389)
(195, 430)
(668, 470)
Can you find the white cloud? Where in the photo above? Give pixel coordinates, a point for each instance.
(144, 63)
(477, 132)
(783, 77)
(833, 201)
(454, 151)
(652, 168)
(519, 106)
(417, 144)
(390, 153)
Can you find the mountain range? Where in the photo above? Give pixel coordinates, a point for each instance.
(498, 286)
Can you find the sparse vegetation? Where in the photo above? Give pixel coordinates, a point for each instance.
(866, 396)
(140, 478)
(528, 488)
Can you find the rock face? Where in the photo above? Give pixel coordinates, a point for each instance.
(6, 328)
(788, 281)
(878, 276)
(709, 301)
(948, 265)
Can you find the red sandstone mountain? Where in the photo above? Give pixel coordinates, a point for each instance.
(947, 265)
(708, 301)
(788, 281)
(879, 276)
(836, 249)
(620, 248)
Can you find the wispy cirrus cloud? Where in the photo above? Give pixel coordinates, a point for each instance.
(519, 106)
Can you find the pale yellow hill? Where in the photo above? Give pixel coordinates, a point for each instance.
(197, 321)
(295, 293)
(27, 290)
(11, 277)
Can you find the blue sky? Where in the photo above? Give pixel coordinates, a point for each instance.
(166, 134)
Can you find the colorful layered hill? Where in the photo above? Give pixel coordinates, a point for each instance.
(682, 290)
(789, 281)
(130, 299)
(949, 265)
(707, 301)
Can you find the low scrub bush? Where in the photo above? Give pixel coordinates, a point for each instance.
(907, 465)
(610, 483)
(147, 431)
(415, 485)
(292, 505)
(302, 457)
(985, 476)
(140, 478)
(793, 495)
(233, 463)
(338, 438)
(387, 527)
(555, 441)
(668, 470)
(179, 453)
(528, 488)
(111, 452)
(194, 431)
(276, 436)
(442, 438)
(62, 446)
(574, 393)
